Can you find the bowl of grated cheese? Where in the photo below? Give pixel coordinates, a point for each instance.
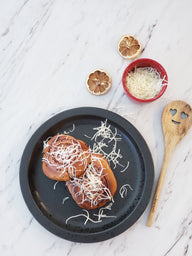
(145, 80)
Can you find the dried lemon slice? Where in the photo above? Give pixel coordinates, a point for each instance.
(129, 47)
(98, 82)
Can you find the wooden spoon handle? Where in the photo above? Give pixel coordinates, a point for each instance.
(169, 146)
(157, 193)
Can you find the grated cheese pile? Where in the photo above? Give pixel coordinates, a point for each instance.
(144, 83)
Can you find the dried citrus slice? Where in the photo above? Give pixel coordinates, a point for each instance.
(129, 47)
(98, 82)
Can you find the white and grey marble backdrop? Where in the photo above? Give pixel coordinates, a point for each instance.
(47, 49)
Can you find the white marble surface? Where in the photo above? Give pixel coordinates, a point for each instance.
(47, 49)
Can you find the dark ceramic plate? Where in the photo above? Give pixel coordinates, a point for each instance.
(51, 203)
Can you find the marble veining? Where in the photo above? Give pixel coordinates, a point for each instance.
(47, 50)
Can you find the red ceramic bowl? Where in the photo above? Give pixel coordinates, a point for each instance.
(145, 63)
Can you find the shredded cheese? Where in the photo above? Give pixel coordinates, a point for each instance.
(123, 190)
(70, 131)
(64, 157)
(55, 184)
(87, 217)
(65, 199)
(101, 213)
(99, 216)
(102, 138)
(125, 167)
(144, 83)
(91, 186)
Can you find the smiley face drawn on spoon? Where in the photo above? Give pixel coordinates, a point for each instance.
(177, 116)
(182, 114)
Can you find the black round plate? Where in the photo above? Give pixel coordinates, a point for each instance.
(44, 197)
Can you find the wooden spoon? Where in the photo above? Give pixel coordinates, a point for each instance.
(176, 121)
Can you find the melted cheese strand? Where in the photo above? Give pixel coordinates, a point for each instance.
(70, 131)
(125, 167)
(55, 184)
(65, 199)
(123, 190)
(45, 143)
(101, 215)
(83, 215)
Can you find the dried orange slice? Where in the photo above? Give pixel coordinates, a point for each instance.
(98, 82)
(129, 47)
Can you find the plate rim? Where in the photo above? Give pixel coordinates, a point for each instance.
(78, 236)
